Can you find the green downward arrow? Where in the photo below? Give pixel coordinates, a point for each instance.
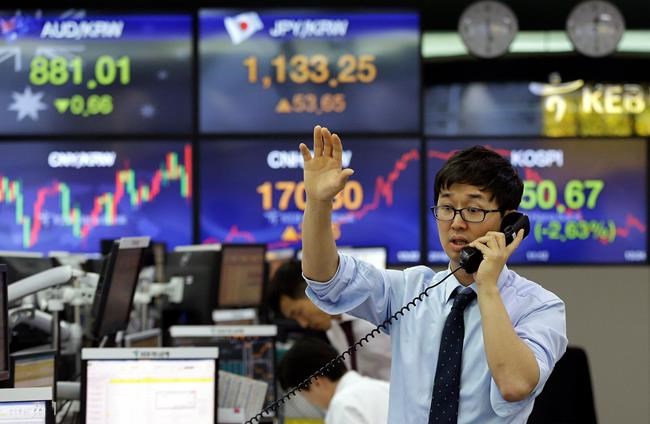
(61, 104)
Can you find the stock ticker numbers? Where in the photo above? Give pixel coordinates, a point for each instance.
(586, 199)
(59, 71)
(346, 69)
(316, 69)
(86, 72)
(70, 196)
(576, 196)
(267, 206)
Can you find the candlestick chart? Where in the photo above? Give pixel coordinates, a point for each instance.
(70, 196)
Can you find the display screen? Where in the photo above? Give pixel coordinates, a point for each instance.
(482, 109)
(80, 72)
(576, 108)
(112, 303)
(199, 271)
(30, 412)
(586, 199)
(252, 192)
(145, 338)
(4, 327)
(241, 280)
(279, 70)
(252, 357)
(150, 391)
(35, 371)
(71, 195)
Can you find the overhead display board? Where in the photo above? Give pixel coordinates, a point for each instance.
(83, 72)
(586, 199)
(71, 195)
(266, 206)
(279, 71)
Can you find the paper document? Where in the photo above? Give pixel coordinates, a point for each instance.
(236, 391)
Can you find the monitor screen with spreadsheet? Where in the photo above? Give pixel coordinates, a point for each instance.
(149, 385)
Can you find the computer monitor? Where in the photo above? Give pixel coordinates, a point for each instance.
(26, 406)
(275, 259)
(241, 277)
(146, 338)
(34, 368)
(149, 385)
(200, 273)
(4, 326)
(94, 265)
(247, 350)
(116, 287)
(376, 255)
(24, 264)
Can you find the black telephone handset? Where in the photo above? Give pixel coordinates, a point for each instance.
(471, 257)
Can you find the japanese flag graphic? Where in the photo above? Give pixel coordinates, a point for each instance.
(241, 27)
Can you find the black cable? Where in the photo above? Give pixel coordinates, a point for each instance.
(274, 406)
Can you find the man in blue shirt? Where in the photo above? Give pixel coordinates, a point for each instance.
(513, 331)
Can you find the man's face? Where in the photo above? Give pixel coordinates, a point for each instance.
(456, 234)
(305, 312)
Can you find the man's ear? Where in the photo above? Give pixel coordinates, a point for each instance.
(507, 212)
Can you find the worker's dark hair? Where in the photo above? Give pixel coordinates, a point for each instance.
(306, 357)
(485, 169)
(288, 281)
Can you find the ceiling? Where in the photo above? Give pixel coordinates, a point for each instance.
(436, 15)
(532, 15)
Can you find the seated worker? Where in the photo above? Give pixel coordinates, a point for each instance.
(348, 397)
(287, 298)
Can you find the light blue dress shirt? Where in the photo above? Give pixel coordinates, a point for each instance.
(538, 317)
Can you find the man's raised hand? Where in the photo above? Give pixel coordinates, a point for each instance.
(324, 175)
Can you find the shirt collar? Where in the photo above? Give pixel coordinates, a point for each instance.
(452, 283)
(350, 377)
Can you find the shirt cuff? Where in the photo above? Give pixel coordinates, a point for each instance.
(503, 408)
(329, 295)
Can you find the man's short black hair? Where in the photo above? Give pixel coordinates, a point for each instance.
(304, 358)
(485, 169)
(287, 280)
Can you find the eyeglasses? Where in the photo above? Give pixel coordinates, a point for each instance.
(475, 215)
